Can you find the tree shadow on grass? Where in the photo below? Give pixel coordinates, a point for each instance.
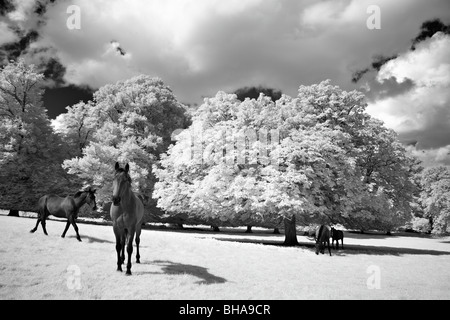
(175, 268)
(351, 249)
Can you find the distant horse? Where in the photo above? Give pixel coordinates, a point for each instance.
(127, 213)
(337, 235)
(67, 207)
(322, 238)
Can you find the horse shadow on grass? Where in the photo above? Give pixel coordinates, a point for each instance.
(90, 239)
(175, 268)
(349, 249)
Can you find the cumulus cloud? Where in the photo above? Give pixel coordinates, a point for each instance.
(420, 114)
(426, 104)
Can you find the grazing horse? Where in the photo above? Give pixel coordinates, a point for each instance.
(337, 235)
(322, 238)
(67, 207)
(127, 213)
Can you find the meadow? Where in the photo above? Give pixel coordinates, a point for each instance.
(197, 264)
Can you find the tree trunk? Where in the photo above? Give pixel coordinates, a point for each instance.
(290, 232)
(249, 229)
(13, 213)
(430, 220)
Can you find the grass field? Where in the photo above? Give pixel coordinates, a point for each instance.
(196, 264)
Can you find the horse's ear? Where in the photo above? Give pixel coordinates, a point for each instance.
(78, 194)
(127, 168)
(117, 166)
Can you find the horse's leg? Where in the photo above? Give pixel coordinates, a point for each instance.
(342, 240)
(37, 224)
(118, 247)
(72, 221)
(67, 228)
(138, 241)
(329, 249)
(43, 222)
(130, 239)
(124, 241)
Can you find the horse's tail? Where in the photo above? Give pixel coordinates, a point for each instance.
(319, 236)
(42, 207)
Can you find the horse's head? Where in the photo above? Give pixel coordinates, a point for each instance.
(90, 198)
(121, 182)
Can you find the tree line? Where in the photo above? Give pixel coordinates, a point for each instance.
(269, 160)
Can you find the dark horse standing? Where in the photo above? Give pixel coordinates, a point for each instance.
(67, 207)
(322, 238)
(127, 213)
(337, 235)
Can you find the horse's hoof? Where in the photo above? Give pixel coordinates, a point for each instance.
(128, 273)
(63, 236)
(138, 261)
(119, 269)
(32, 231)
(79, 239)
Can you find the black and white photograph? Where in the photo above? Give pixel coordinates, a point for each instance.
(224, 154)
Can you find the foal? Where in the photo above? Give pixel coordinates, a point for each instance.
(337, 235)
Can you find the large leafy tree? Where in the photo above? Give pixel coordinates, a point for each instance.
(384, 166)
(259, 162)
(131, 122)
(30, 153)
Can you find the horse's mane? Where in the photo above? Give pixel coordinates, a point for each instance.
(78, 194)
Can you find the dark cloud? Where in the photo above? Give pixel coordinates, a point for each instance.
(6, 6)
(118, 48)
(12, 51)
(428, 29)
(377, 62)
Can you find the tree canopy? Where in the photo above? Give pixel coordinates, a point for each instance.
(318, 157)
(131, 122)
(30, 153)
